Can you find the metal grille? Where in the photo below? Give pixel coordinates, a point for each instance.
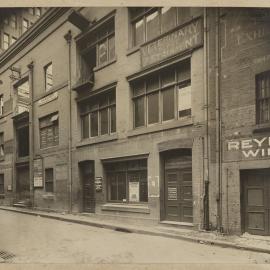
(7, 256)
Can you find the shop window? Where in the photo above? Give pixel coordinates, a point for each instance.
(98, 115)
(13, 21)
(25, 25)
(6, 41)
(2, 187)
(23, 141)
(148, 23)
(166, 95)
(98, 49)
(49, 179)
(48, 69)
(1, 105)
(127, 181)
(49, 131)
(2, 152)
(263, 97)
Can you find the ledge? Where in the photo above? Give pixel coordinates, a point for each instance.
(138, 208)
(105, 65)
(133, 50)
(160, 127)
(96, 140)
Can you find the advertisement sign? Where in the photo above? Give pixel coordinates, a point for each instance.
(98, 184)
(134, 191)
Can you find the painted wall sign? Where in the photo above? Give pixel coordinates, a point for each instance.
(134, 191)
(252, 147)
(98, 184)
(48, 98)
(187, 37)
(38, 173)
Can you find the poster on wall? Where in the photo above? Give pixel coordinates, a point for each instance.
(98, 184)
(134, 193)
(38, 173)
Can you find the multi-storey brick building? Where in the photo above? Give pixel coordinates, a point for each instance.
(129, 112)
(16, 21)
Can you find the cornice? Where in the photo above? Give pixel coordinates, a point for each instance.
(30, 35)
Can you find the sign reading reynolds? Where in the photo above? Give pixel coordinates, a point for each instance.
(251, 148)
(187, 37)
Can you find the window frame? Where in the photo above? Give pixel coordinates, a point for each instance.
(51, 181)
(176, 84)
(98, 109)
(145, 12)
(25, 27)
(126, 171)
(46, 74)
(55, 142)
(262, 77)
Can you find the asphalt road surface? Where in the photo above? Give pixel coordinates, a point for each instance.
(34, 239)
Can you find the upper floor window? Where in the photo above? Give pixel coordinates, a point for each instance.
(31, 11)
(147, 23)
(263, 97)
(13, 21)
(1, 105)
(2, 152)
(6, 41)
(99, 48)
(38, 11)
(13, 40)
(6, 20)
(49, 131)
(25, 25)
(98, 115)
(163, 96)
(48, 69)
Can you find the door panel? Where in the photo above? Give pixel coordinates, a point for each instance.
(256, 201)
(23, 182)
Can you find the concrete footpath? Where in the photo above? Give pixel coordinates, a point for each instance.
(245, 242)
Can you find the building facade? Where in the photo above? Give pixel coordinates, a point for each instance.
(129, 115)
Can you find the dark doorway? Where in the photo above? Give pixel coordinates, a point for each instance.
(255, 187)
(88, 185)
(178, 186)
(23, 182)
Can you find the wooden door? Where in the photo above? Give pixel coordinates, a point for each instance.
(178, 195)
(256, 201)
(88, 183)
(23, 182)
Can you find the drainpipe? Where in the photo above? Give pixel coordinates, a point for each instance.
(68, 38)
(31, 134)
(206, 138)
(218, 126)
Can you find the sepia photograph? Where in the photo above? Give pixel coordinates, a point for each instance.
(134, 134)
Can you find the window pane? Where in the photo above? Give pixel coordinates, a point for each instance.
(113, 119)
(113, 187)
(138, 88)
(168, 104)
(152, 83)
(168, 18)
(94, 124)
(168, 77)
(152, 25)
(2, 190)
(85, 126)
(121, 186)
(138, 32)
(153, 112)
(139, 112)
(143, 187)
(49, 180)
(184, 101)
(111, 48)
(183, 14)
(102, 53)
(183, 72)
(104, 122)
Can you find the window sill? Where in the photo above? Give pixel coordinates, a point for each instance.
(137, 208)
(161, 127)
(133, 50)
(104, 65)
(260, 128)
(48, 196)
(96, 140)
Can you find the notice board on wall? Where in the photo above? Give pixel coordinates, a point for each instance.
(38, 172)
